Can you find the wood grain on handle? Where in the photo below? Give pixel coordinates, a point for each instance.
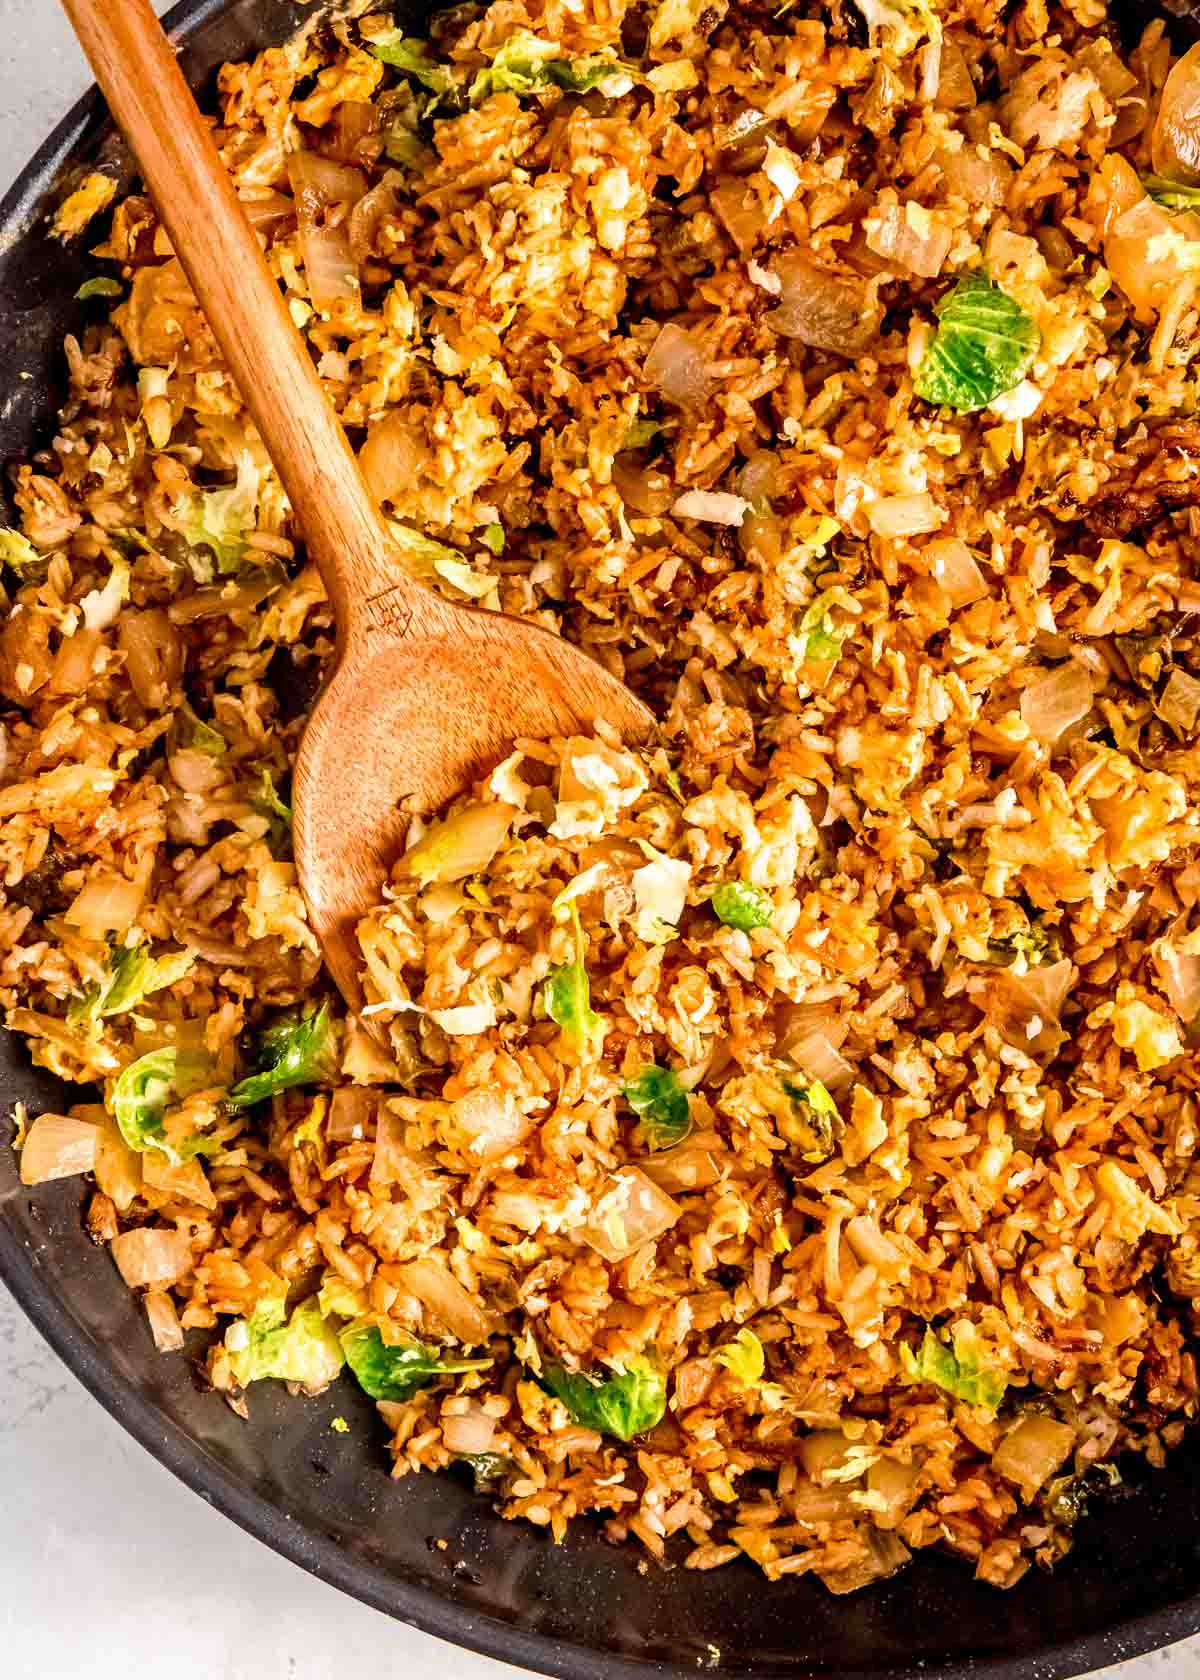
(138, 74)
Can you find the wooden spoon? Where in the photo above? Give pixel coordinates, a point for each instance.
(424, 694)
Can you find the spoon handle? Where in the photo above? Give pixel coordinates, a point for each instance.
(346, 534)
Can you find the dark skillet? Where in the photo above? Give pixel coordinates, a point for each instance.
(324, 1500)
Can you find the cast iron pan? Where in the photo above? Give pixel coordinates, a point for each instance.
(426, 1549)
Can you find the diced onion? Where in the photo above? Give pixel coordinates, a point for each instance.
(437, 1289)
(151, 1257)
(322, 189)
(164, 1322)
(1179, 976)
(58, 1146)
(1025, 1008)
(892, 1485)
(153, 655)
(689, 1166)
(75, 661)
(487, 1124)
(118, 1168)
(373, 209)
(1147, 250)
(903, 516)
(106, 904)
(909, 237)
(976, 173)
(390, 1153)
(185, 1181)
(1175, 145)
(955, 89)
(714, 507)
(1031, 1453)
(956, 570)
(1051, 706)
(329, 267)
(264, 209)
(645, 489)
(740, 209)
(351, 1113)
(392, 456)
(813, 1052)
(820, 310)
(630, 1210)
(676, 366)
(1179, 703)
(472, 1431)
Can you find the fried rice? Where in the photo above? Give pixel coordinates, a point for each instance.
(778, 1143)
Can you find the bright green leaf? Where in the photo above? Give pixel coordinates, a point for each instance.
(220, 520)
(624, 1405)
(493, 538)
(958, 1370)
(301, 1349)
(103, 285)
(411, 58)
(1172, 195)
(296, 1050)
(739, 904)
(657, 1096)
(133, 974)
(567, 996)
(983, 346)
(20, 556)
(396, 1373)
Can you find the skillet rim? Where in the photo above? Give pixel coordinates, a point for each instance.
(205, 1475)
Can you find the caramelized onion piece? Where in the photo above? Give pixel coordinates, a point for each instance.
(58, 1146)
(676, 366)
(1051, 705)
(1175, 143)
(819, 309)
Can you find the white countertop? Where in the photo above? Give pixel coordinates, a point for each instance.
(107, 1563)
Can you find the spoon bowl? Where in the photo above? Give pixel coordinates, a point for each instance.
(425, 693)
(425, 697)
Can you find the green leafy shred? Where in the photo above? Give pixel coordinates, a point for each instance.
(567, 995)
(657, 1096)
(268, 801)
(301, 1349)
(816, 637)
(813, 1123)
(221, 520)
(101, 286)
(488, 1468)
(624, 1405)
(744, 1357)
(1028, 947)
(1172, 195)
(740, 904)
(957, 1369)
(339, 1426)
(983, 346)
(493, 537)
(402, 145)
(295, 1050)
(133, 974)
(525, 64)
(200, 736)
(642, 432)
(20, 556)
(396, 1373)
(1067, 1498)
(411, 57)
(139, 1100)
